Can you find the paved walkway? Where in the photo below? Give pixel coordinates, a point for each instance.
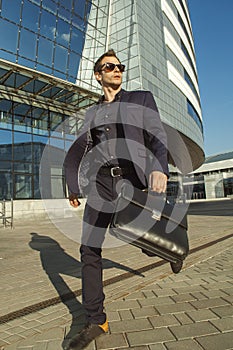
(148, 307)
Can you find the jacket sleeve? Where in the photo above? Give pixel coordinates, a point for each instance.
(155, 136)
(72, 163)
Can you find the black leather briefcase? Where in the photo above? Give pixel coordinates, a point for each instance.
(149, 222)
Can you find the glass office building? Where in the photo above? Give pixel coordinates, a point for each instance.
(47, 50)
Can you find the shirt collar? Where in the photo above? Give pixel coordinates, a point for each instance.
(117, 97)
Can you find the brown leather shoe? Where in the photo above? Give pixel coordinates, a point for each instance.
(85, 337)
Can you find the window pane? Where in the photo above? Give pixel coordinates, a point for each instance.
(60, 59)
(11, 12)
(27, 46)
(30, 17)
(10, 37)
(5, 185)
(22, 167)
(48, 25)
(39, 143)
(74, 60)
(50, 5)
(63, 33)
(45, 51)
(23, 186)
(77, 40)
(22, 147)
(79, 8)
(5, 144)
(67, 4)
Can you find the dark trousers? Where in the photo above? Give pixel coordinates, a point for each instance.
(97, 217)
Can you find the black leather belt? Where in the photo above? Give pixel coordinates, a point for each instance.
(114, 171)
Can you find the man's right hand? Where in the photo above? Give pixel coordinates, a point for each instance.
(74, 202)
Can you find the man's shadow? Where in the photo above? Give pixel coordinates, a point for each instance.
(55, 261)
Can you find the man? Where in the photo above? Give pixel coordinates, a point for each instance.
(117, 133)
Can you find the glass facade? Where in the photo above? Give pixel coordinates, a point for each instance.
(44, 35)
(46, 77)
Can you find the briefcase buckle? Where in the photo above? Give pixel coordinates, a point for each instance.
(156, 214)
(112, 171)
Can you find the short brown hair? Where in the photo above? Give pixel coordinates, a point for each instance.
(109, 53)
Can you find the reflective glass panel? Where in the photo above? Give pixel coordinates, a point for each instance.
(77, 40)
(48, 24)
(25, 62)
(5, 185)
(39, 143)
(10, 37)
(67, 4)
(11, 12)
(5, 144)
(37, 194)
(22, 147)
(45, 51)
(50, 5)
(79, 7)
(60, 58)
(22, 167)
(63, 32)
(27, 45)
(23, 186)
(74, 60)
(30, 16)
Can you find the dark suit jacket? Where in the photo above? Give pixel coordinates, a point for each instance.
(145, 137)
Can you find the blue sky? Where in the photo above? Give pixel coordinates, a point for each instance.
(212, 26)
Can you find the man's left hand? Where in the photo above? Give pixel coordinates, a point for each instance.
(158, 181)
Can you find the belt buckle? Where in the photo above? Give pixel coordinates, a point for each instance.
(112, 171)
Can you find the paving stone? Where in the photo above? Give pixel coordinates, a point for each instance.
(223, 311)
(138, 348)
(135, 295)
(228, 298)
(209, 303)
(163, 321)
(148, 293)
(222, 341)
(214, 293)
(173, 308)
(202, 315)
(156, 301)
(224, 324)
(164, 292)
(198, 295)
(114, 316)
(121, 305)
(183, 318)
(183, 297)
(149, 337)
(193, 330)
(111, 341)
(183, 345)
(125, 314)
(145, 311)
(157, 347)
(130, 325)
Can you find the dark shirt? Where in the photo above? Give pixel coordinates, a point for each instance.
(108, 135)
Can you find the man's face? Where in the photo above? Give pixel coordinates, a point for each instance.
(113, 78)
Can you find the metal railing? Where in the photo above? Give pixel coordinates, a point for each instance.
(6, 212)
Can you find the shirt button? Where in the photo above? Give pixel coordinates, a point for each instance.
(107, 129)
(106, 116)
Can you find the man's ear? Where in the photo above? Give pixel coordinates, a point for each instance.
(98, 77)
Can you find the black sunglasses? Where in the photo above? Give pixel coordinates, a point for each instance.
(109, 67)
